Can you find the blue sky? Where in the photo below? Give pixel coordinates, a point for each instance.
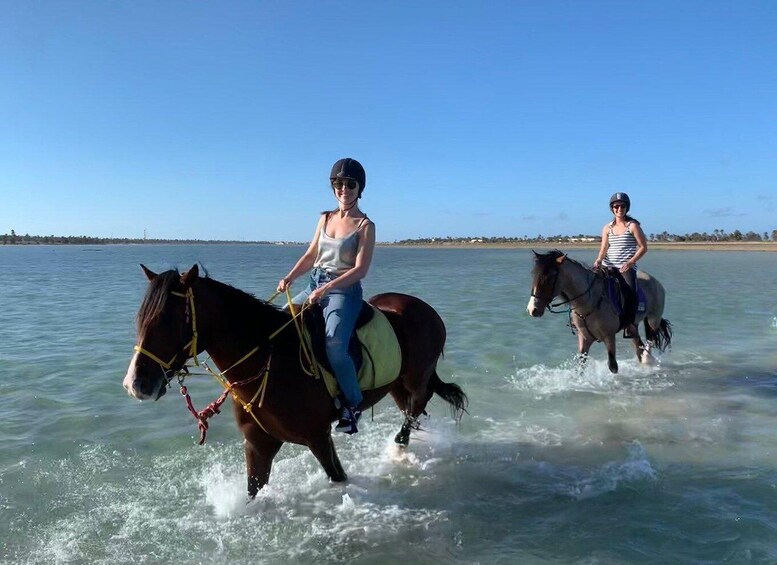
(221, 120)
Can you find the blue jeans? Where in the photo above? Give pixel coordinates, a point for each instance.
(341, 308)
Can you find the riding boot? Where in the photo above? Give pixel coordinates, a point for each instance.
(349, 417)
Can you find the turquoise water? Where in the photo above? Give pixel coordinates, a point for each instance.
(675, 463)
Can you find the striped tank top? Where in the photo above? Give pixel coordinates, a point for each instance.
(622, 248)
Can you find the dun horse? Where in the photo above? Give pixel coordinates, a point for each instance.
(594, 315)
(183, 315)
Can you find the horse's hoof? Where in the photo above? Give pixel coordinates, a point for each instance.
(402, 438)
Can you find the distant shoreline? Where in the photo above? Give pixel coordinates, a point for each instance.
(766, 246)
(762, 246)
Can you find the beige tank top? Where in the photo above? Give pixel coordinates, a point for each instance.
(337, 254)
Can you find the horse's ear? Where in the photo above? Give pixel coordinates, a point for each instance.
(560, 259)
(188, 278)
(150, 275)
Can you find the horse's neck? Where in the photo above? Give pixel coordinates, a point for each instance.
(230, 324)
(574, 283)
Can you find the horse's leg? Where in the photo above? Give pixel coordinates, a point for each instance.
(324, 450)
(400, 395)
(416, 400)
(402, 399)
(609, 343)
(260, 450)
(417, 407)
(641, 348)
(583, 346)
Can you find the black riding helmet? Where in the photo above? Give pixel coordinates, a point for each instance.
(349, 169)
(621, 197)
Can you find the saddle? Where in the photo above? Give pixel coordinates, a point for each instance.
(373, 336)
(314, 320)
(626, 301)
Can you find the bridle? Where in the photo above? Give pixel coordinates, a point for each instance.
(229, 387)
(166, 366)
(548, 300)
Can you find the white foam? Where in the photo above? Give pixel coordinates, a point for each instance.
(225, 489)
(595, 377)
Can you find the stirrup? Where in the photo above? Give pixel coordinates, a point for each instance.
(348, 420)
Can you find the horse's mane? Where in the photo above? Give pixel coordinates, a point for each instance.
(251, 308)
(160, 289)
(543, 260)
(155, 300)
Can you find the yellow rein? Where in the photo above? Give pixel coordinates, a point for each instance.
(305, 348)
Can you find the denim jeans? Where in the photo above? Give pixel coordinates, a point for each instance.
(341, 308)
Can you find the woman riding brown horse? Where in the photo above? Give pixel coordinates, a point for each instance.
(183, 315)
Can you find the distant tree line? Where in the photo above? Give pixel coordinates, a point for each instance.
(27, 239)
(704, 237)
(716, 235)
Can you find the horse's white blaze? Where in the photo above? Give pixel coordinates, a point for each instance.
(129, 379)
(531, 307)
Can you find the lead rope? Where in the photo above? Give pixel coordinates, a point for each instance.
(215, 407)
(229, 388)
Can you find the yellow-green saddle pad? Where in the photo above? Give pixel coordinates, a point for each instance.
(382, 357)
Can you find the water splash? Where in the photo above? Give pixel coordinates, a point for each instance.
(596, 378)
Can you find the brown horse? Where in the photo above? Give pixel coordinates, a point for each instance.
(593, 314)
(186, 314)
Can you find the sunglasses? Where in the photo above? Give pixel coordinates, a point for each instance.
(350, 184)
(616, 206)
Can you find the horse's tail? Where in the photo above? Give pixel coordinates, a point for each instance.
(660, 338)
(452, 394)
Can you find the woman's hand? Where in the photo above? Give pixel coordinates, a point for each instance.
(597, 264)
(628, 265)
(318, 294)
(283, 284)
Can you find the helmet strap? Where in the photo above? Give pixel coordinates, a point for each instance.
(344, 210)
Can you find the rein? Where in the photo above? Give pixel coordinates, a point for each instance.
(550, 305)
(549, 301)
(229, 388)
(570, 300)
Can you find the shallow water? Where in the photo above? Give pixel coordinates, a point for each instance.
(674, 463)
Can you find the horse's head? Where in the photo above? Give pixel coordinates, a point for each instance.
(544, 284)
(166, 333)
